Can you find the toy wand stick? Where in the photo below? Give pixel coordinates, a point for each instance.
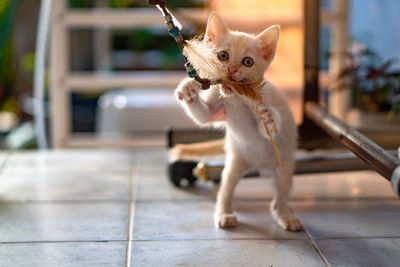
(174, 29)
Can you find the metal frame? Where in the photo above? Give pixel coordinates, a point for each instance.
(59, 61)
(39, 73)
(372, 154)
(339, 99)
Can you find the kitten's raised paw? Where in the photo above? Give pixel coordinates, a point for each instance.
(226, 221)
(269, 117)
(288, 221)
(188, 91)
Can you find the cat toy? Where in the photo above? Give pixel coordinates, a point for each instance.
(174, 29)
(247, 89)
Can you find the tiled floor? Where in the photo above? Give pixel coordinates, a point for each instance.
(117, 208)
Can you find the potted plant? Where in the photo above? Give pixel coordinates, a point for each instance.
(375, 89)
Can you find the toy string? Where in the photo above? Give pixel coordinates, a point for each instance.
(273, 145)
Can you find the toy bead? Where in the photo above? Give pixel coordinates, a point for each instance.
(174, 31)
(192, 73)
(179, 38)
(168, 19)
(205, 84)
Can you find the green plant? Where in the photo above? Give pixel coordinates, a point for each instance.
(7, 64)
(374, 84)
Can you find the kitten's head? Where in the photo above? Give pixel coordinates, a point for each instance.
(234, 55)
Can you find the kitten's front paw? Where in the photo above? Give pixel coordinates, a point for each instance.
(269, 117)
(288, 221)
(188, 91)
(225, 221)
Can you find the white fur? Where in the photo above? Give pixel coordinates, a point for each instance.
(247, 144)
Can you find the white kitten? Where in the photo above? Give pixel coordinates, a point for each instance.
(243, 57)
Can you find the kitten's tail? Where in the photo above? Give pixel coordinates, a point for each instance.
(200, 149)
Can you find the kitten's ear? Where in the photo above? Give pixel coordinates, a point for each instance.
(267, 41)
(216, 28)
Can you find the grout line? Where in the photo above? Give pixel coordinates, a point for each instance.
(132, 198)
(68, 171)
(4, 163)
(250, 238)
(356, 237)
(210, 198)
(316, 248)
(187, 240)
(256, 238)
(220, 239)
(181, 200)
(63, 201)
(61, 241)
(342, 199)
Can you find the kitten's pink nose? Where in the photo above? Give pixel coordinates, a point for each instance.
(232, 69)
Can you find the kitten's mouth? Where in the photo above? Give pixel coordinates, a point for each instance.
(228, 89)
(244, 80)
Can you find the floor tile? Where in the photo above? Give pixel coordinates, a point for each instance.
(361, 251)
(153, 184)
(82, 195)
(63, 222)
(337, 219)
(3, 157)
(72, 185)
(63, 254)
(349, 185)
(225, 253)
(194, 220)
(357, 185)
(70, 160)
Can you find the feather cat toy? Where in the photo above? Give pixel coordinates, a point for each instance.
(254, 111)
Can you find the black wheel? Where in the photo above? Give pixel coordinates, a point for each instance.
(217, 181)
(180, 173)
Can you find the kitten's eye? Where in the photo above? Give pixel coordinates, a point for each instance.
(248, 61)
(223, 55)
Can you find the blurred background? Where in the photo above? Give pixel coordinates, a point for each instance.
(111, 67)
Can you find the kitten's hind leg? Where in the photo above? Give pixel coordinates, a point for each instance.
(223, 216)
(279, 206)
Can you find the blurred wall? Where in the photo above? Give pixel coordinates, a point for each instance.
(376, 24)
